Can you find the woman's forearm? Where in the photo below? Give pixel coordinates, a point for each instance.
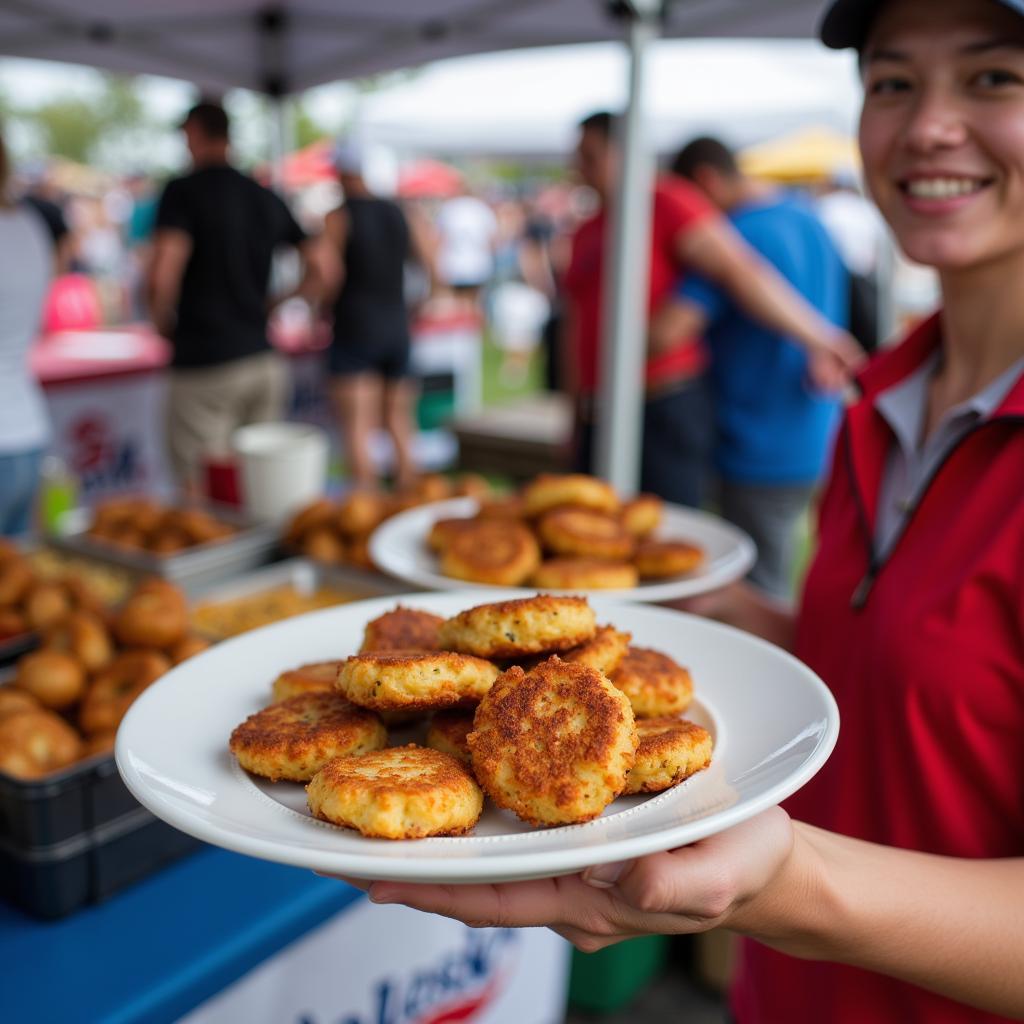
(951, 925)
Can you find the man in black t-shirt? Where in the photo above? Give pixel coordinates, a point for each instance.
(208, 292)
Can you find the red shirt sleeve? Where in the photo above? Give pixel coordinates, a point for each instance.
(683, 205)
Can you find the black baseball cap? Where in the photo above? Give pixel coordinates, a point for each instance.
(846, 22)
(211, 117)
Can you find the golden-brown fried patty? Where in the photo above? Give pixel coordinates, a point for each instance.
(509, 507)
(84, 636)
(448, 731)
(604, 652)
(669, 751)
(112, 691)
(642, 515)
(399, 793)
(584, 533)
(403, 629)
(550, 490)
(320, 513)
(498, 552)
(555, 744)
(34, 743)
(361, 512)
(13, 700)
(316, 677)
(414, 681)
(54, 678)
(297, 737)
(528, 625)
(658, 559)
(654, 683)
(323, 545)
(443, 530)
(585, 574)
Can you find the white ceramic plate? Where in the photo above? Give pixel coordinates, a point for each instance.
(773, 721)
(398, 546)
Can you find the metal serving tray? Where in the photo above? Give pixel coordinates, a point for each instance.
(253, 545)
(306, 576)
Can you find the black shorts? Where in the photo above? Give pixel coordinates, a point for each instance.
(388, 361)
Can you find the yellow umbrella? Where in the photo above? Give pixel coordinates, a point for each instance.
(810, 155)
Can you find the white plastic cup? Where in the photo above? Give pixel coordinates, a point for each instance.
(283, 466)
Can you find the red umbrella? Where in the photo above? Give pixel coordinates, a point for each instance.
(429, 179)
(309, 165)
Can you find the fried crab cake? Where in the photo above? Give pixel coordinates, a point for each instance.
(550, 490)
(585, 574)
(583, 533)
(499, 552)
(528, 625)
(403, 629)
(641, 515)
(670, 750)
(605, 651)
(297, 737)
(316, 677)
(448, 731)
(653, 682)
(400, 793)
(658, 559)
(555, 744)
(414, 680)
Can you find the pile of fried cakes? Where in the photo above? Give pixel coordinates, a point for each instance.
(563, 532)
(529, 702)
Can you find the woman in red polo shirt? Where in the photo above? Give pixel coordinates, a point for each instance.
(895, 892)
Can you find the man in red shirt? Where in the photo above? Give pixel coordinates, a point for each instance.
(687, 233)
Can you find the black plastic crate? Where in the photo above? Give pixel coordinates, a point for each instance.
(75, 801)
(56, 880)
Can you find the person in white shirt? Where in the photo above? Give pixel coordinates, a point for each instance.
(26, 267)
(467, 233)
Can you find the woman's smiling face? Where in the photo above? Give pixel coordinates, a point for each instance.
(942, 129)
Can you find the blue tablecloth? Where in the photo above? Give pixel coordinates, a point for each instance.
(161, 948)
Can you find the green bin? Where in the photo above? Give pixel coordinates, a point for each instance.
(605, 981)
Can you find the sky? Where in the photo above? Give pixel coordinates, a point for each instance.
(531, 100)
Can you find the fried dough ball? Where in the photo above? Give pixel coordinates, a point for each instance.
(13, 700)
(555, 744)
(443, 530)
(585, 574)
(658, 559)
(448, 731)
(15, 579)
(669, 750)
(83, 636)
(320, 513)
(359, 552)
(361, 512)
(432, 487)
(583, 533)
(151, 617)
(117, 686)
(295, 738)
(45, 604)
(55, 679)
(550, 490)
(197, 525)
(604, 652)
(324, 545)
(528, 625)
(12, 622)
(402, 629)
(316, 677)
(8, 550)
(471, 485)
(99, 743)
(641, 515)
(399, 793)
(187, 648)
(169, 541)
(126, 537)
(414, 681)
(35, 743)
(655, 684)
(82, 595)
(499, 553)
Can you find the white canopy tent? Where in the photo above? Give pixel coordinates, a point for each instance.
(284, 47)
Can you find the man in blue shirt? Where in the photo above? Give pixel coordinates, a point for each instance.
(776, 406)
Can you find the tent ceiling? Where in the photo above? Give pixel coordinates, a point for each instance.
(295, 44)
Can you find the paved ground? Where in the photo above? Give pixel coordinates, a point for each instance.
(669, 999)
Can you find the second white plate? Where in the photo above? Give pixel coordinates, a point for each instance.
(398, 546)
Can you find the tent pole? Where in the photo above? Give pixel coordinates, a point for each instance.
(619, 420)
(281, 141)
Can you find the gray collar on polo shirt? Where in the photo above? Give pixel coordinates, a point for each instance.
(911, 461)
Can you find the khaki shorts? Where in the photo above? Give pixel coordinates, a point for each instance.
(205, 405)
